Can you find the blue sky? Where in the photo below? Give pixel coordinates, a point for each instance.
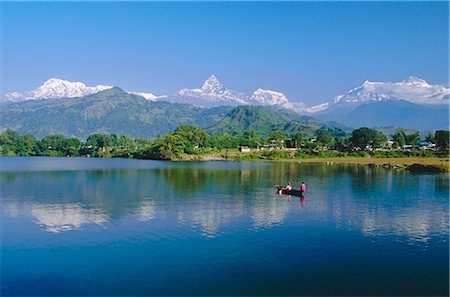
(311, 51)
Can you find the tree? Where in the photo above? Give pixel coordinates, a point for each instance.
(192, 137)
(442, 139)
(363, 137)
(250, 138)
(341, 144)
(171, 146)
(399, 138)
(223, 141)
(412, 138)
(277, 136)
(325, 137)
(430, 138)
(8, 142)
(125, 141)
(8, 137)
(99, 140)
(71, 146)
(53, 142)
(297, 139)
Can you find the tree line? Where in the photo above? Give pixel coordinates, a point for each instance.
(192, 140)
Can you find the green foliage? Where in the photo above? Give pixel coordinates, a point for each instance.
(266, 119)
(250, 138)
(99, 140)
(442, 139)
(223, 141)
(13, 144)
(363, 137)
(325, 137)
(399, 138)
(186, 141)
(430, 138)
(277, 137)
(296, 139)
(192, 138)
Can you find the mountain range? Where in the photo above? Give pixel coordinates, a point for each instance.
(412, 103)
(116, 111)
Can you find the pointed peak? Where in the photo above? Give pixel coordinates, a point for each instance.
(212, 78)
(413, 80)
(212, 84)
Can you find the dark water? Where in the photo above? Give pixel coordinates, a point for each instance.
(126, 227)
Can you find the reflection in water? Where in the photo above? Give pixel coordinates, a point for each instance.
(146, 211)
(416, 225)
(213, 196)
(65, 217)
(220, 229)
(10, 209)
(208, 218)
(268, 212)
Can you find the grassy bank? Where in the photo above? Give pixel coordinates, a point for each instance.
(405, 163)
(401, 163)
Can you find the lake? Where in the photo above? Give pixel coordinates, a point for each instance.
(79, 226)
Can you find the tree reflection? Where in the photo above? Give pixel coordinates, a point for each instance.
(211, 196)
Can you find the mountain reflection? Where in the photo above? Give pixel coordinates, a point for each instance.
(213, 197)
(268, 212)
(65, 217)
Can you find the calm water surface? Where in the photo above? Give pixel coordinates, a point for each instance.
(125, 227)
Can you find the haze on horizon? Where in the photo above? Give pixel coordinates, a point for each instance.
(310, 51)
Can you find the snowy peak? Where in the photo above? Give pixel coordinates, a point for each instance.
(415, 81)
(148, 96)
(212, 85)
(211, 93)
(413, 89)
(56, 88)
(272, 98)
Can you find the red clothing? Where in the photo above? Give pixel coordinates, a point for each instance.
(303, 187)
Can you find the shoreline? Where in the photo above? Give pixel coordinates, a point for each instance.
(413, 164)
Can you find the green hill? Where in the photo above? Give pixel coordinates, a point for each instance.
(265, 119)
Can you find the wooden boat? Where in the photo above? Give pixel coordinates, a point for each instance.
(293, 192)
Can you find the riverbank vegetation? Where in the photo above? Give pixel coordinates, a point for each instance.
(189, 142)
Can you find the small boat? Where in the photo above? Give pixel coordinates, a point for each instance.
(293, 192)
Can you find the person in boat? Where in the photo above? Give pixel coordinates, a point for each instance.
(288, 187)
(303, 187)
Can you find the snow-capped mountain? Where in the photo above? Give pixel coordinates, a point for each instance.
(272, 98)
(412, 89)
(55, 88)
(212, 93)
(148, 96)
